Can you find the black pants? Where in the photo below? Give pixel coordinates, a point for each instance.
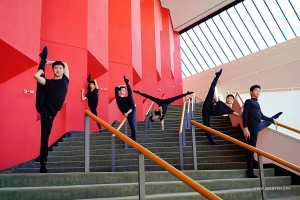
(162, 102)
(131, 118)
(208, 102)
(254, 131)
(94, 111)
(47, 118)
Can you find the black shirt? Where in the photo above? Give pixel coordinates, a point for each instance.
(56, 93)
(157, 112)
(92, 98)
(252, 114)
(122, 102)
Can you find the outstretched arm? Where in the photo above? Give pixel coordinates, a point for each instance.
(67, 73)
(96, 84)
(162, 123)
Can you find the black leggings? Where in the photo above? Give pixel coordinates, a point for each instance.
(162, 102)
(131, 118)
(206, 107)
(47, 118)
(94, 111)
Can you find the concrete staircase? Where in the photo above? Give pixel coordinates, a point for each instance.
(221, 168)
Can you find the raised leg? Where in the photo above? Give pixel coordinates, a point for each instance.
(210, 95)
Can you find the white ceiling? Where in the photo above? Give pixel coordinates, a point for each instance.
(186, 12)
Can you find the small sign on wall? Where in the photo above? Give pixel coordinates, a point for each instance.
(28, 91)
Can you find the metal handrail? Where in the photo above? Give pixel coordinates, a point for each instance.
(199, 98)
(121, 124)
(182, 117)
(287, 127)
(149, 108)
(181, 176)
(246, 146)
(268, 90)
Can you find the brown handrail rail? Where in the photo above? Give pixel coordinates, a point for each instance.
(149, 108)
(181, 176)
(246, 146)
(121, 124)
(288, 127)
(238, 94)
(199, 98)
(182, 118)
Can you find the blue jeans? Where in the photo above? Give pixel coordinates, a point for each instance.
(254, 131)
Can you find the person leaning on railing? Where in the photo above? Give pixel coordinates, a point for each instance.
(252, 123)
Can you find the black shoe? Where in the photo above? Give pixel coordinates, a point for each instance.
(213, 143)
(44, 53)
(277, 115)
(89, 78)
(44, 170)
(100, 130)
(126, 80)
(252, 176)
(136, 91)
(188, 93)
(219, 73)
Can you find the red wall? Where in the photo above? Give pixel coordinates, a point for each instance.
(108, 39)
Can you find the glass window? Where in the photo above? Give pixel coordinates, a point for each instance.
(242, 30)
(257, 36)
(291, 16)
(186, 60)
(255, 15)
(221, 42)
(190, 55)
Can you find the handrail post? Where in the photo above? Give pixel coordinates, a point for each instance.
(126, 133)
(146, 123)
(152, 113)
(194, 148)
(113, 169)
(181, 152)
(262, 177)
(86, 143)
(141, 174)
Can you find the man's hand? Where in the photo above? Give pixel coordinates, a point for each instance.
(275, 121)
(246, 133)
(82, 90)
(125, 114)
(48, 62)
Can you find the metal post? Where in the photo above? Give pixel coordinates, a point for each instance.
(183, 136)
(181, 152)
(126, 128)
(262, 177)
(194, 143)
(86, 143)
(113, 169)
(142, 191)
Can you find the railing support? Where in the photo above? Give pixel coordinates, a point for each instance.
(86, 143)
(181, 152)
(194, 148)
(126, 133)
(142, 191)
(262, 177)
(113, 168)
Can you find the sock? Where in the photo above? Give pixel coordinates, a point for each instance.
(44, 53)
(188, 93)
(277, 115)
(136, 91)
(89, 78)
(218, 74)
(125, 79)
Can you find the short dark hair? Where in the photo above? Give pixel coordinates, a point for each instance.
(120, 88)
(58, 63)
(150, 119)
(230, 95)
(253, 87)
(92, 82)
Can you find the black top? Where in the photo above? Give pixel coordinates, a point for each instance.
(124, 104)
(252, 114)
(92, 98)
(220, 109)
(157, 112)
(56, 93)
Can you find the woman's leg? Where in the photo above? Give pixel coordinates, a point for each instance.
(210, 96)
(206, 121)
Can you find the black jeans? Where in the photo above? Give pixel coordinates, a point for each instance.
(131, 118)
(94, 111)
(254, 131)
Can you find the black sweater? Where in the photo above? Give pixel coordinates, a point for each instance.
(252, 114)
(123, 103)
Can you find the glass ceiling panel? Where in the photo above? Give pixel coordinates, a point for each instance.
(291, 15)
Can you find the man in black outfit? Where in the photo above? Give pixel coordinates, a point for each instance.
(92, 96)
(213, 107)
(126, 105)
(50, 96)
(160, 112)
(252, 117)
